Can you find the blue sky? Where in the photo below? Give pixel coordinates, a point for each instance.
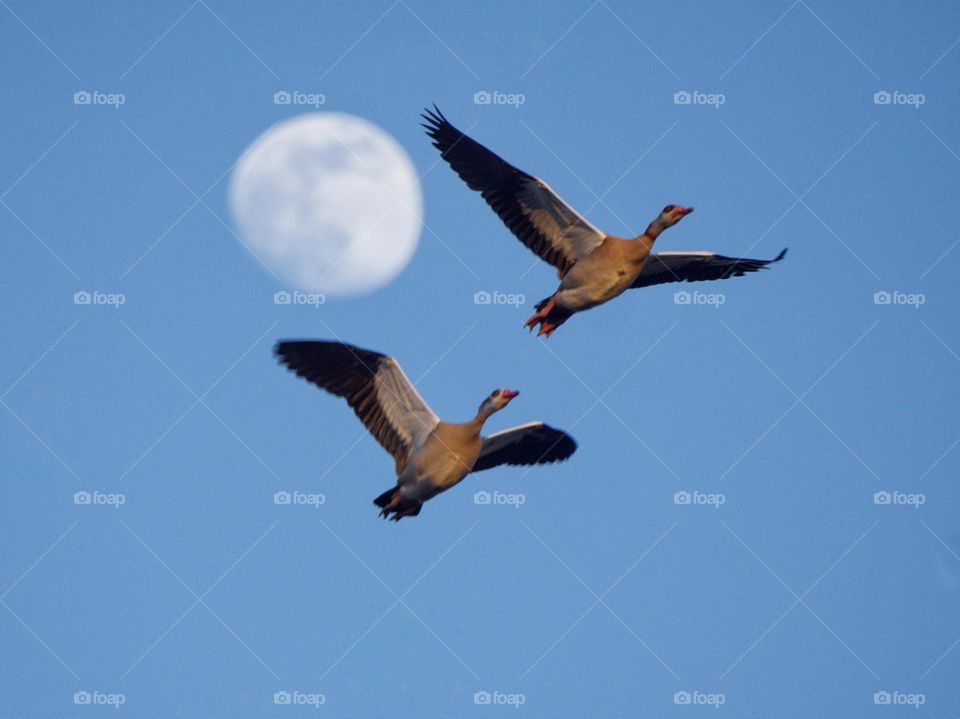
(793, 402)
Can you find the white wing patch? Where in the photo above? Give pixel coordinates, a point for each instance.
(402, 405)
(496, 440)
(567, 230)
(685, 254)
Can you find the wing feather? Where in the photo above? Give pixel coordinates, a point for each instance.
(528, 206)
(375, 387)
(533, 443)
(664, 267)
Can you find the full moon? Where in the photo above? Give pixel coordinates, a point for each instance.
(328, 201)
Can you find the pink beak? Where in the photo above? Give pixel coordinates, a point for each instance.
(684, 210)
(509, 393)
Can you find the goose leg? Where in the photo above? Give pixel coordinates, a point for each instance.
(399, 507)
(541, 315)
(392, 507)
(547, 328)
(408, 512)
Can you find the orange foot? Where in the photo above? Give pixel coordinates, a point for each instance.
(533, 321)
(393, 506)
(407, 512)
(541, 316)
(400, 508)
(547, 328)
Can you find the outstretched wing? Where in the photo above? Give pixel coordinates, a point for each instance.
(532, 211)
(534, 443)
(373, 385)
(665, 267)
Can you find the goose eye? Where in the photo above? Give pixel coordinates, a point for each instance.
(668, 208)
(495, 393)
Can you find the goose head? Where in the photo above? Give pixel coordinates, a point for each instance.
(671, 215)
(497, 400)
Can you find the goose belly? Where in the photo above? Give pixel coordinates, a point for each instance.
(435, 473)
(594, 288)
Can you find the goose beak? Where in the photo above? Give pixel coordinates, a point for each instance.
(684, 211)
(510, 393)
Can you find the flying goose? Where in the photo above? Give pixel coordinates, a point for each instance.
(593, 267)
(431, 455)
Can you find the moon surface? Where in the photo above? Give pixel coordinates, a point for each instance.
(329, 202)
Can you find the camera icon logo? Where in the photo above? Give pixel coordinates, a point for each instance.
(482, 698)
(682, 497)
(681, 698)
(682, 98)
(282, 497)
(482, 97)
(482, 297)
(82, 298)
(82, 497)
(282, 97)
(282, 297)
(881, 697)
(882, 298)
(81, 697)
(82, 97)
(282, 697)
(682, 297)
(482, 497)
(882, 497)
(882, 97)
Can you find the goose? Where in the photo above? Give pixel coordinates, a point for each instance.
(431, 455)
(593, 267)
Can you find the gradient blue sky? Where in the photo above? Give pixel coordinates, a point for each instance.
(797, 399)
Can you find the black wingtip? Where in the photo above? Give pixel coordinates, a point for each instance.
(432, 116)
(563, 447)
(435, 119)
(783, 253)
(299, 356)
(284, 350)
